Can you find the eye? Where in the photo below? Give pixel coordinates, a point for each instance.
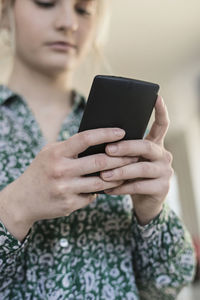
(82, 11)
(45, 4)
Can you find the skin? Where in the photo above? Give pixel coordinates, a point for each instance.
(141, 168)
(148, 180)
(62, 20)
(36, 64)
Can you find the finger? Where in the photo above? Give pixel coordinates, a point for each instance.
(133, 171)
(98, 162)
(81, 141)
(161, 123)
(135, 148)
(92, 184)
(151, 187)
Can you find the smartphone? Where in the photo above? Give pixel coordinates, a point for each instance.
(118, 102)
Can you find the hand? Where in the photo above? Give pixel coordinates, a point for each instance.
(148, 179)
(54, 186)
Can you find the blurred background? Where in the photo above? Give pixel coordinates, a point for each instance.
(159, 41)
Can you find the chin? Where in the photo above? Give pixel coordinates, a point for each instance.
(57, 67)
(58, 63)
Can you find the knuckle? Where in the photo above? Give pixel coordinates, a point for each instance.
(164, 186)
(86, 138)
(120, 173)
(148, 146)
(169, 156)
(144, 169)
(51, 170)
(100, 162)
(60, 170)
(98, 185)
(170, 172)
(56, 190)
(57, 172)
(167, 172)
(154, 169)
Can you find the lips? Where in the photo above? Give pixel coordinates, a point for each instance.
(61, 45)
(64, 43)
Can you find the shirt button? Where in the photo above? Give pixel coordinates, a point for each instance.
(64, 243)
(66, 134)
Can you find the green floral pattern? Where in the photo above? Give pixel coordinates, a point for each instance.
(99, 252)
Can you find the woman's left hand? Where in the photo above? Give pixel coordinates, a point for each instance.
(148, 179)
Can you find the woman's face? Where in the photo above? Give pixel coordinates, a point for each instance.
(43, 27)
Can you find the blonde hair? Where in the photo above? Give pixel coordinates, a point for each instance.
(7, 35)
(7, 39)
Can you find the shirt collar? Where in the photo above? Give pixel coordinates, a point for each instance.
(6, 93)
(79, 101)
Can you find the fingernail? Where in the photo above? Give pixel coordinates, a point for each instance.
(112, 148)
(119, 132)
(108, 174)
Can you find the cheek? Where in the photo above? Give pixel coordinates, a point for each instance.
(86, 35)
(28, 29)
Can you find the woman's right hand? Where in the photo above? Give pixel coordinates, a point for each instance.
(54, 186)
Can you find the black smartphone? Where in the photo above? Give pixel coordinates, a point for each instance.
(118, 102)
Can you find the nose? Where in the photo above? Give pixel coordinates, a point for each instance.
(66, 18)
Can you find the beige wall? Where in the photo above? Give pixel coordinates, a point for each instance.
(160, 41)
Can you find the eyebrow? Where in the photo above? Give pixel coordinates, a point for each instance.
(87, 0)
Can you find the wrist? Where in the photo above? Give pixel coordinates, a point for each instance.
(145, 215)
(12, 214)
(146, 219)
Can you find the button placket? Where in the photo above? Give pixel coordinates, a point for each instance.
(64, 242)
(65, 134)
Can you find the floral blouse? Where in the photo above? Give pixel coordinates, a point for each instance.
(99, 252)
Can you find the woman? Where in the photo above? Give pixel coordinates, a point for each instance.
(57, 239)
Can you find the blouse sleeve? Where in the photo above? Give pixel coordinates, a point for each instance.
(11, 255)
(163, 257)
